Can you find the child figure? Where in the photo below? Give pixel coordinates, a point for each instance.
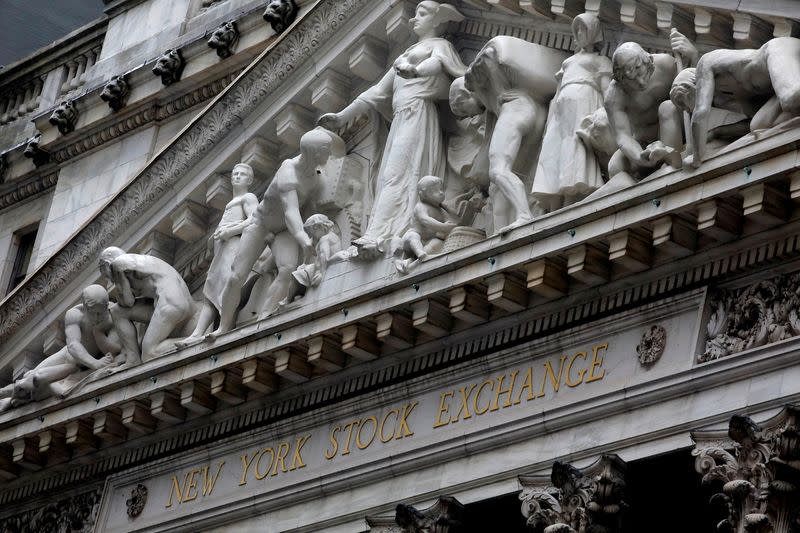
(226, 243)
(433, 221)
(327, 247)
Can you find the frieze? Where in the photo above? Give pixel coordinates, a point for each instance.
(321, 24)
(75, 515)
(752, 316)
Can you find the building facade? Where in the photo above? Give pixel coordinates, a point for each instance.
(381, 265)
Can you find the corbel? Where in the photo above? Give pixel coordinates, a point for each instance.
(505, 291)
(368, 58)
(79, 435)
(330, 92)
(637, 15)
(765, 204)
(394, 330)
(292, 365)
(196, 397)
(26, 454)
(468, 305)
(137, 417)
(291, 123)
(360, 341)
(258, 376)
(547, 277)
(674, 235)
(108, 426)
(166, 406)
(227, 387)
(431, 317)
(589, 264)
(189, 221)
(325, 353)
(631, 249)
(720, 219)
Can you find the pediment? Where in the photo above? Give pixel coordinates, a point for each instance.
(564, 269)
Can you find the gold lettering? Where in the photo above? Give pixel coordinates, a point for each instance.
(403, 426)
(297, 459)
(208, 481)
(283, 451)
(359, 444)
(188, 495)
(383, 437)
(569, 381)
(527, 384)
(177, 490)
(259, 475)
(444, 408)
(245, 467)
(555, 381)
(465, 393)
(597, 362)
(331, 453)
(499, 391)
(349, 427)
(475, 408)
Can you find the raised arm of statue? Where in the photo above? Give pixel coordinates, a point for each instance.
(379, 97)
(120, 277)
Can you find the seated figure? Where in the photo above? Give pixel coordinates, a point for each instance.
(433, 221)
(92, 344)
(150, 292)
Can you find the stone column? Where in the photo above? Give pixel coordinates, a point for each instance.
(754, 473)
(576, 501)
(445, 516)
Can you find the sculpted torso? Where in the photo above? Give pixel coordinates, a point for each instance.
(642, 106)
(738, 77)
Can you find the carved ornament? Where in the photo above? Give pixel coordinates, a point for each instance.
(170, 66)
(39, 156)
(280, 14)
(224, 39)
(115, 92)
(64, 117)
(75, 515)
(651, 347)
(137, 500)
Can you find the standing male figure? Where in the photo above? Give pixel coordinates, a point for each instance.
(150, 292)
(277, 223)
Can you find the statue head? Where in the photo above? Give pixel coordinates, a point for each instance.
(595, 132)
(280, 14)
(319, 144)
(95, 302)
(65, 116)
(586, 30)
(632, 66)
(317, 226)
(115, 92)
(107, 257)
(684, 90)
(463, 102)
(431, 189)
(242, 174)
(431, 18)
(224, 38)
(169, 66)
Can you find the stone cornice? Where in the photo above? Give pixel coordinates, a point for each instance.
(265, 74)
(20, 190)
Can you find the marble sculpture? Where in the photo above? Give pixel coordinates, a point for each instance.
(612, 121)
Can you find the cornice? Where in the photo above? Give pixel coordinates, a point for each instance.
(20, 190)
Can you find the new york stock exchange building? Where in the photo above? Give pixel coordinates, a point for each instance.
(395, 266)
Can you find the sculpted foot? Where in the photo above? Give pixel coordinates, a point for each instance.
(521, 221)
(188, 341)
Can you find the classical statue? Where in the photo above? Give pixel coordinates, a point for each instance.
(280, 14)
(224, 39)
(170, 66)
(327, 249)
(92, 343)
(433, 221)
(407, 96)
(466, 141)
(567, 169)
(277, 223)
(760, 84)
(647, 126)
(513, 80)
(115, 92)
(150, 292)
(225, 241)
(595, 132)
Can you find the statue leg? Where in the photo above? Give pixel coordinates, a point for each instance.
(286, 251)
(124, 318)
(204, 321)
(251, 244)
(783, 64)
(166, 317)
(670, 125)
(54, 368)
(516, 119)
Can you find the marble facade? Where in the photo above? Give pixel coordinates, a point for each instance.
(369, 257)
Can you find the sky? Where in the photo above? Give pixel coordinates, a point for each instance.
(27, 25)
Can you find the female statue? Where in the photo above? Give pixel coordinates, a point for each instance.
(567, 170)
(407, 95)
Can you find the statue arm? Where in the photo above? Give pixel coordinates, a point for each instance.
(704, 100)
(126, 297)
(427, 221)
(72, 331)
(291, 215)
(429, 67)
(7, 391)
(621, 126)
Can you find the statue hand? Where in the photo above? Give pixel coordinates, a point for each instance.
(406, 70)
(331, 121)
(104, 361)
(683, 46)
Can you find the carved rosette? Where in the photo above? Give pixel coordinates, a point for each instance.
(75, 515)
(576, 501)
(137, 500)
(755, 475)
(760, 314)
(445, 516)
(651, 347)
